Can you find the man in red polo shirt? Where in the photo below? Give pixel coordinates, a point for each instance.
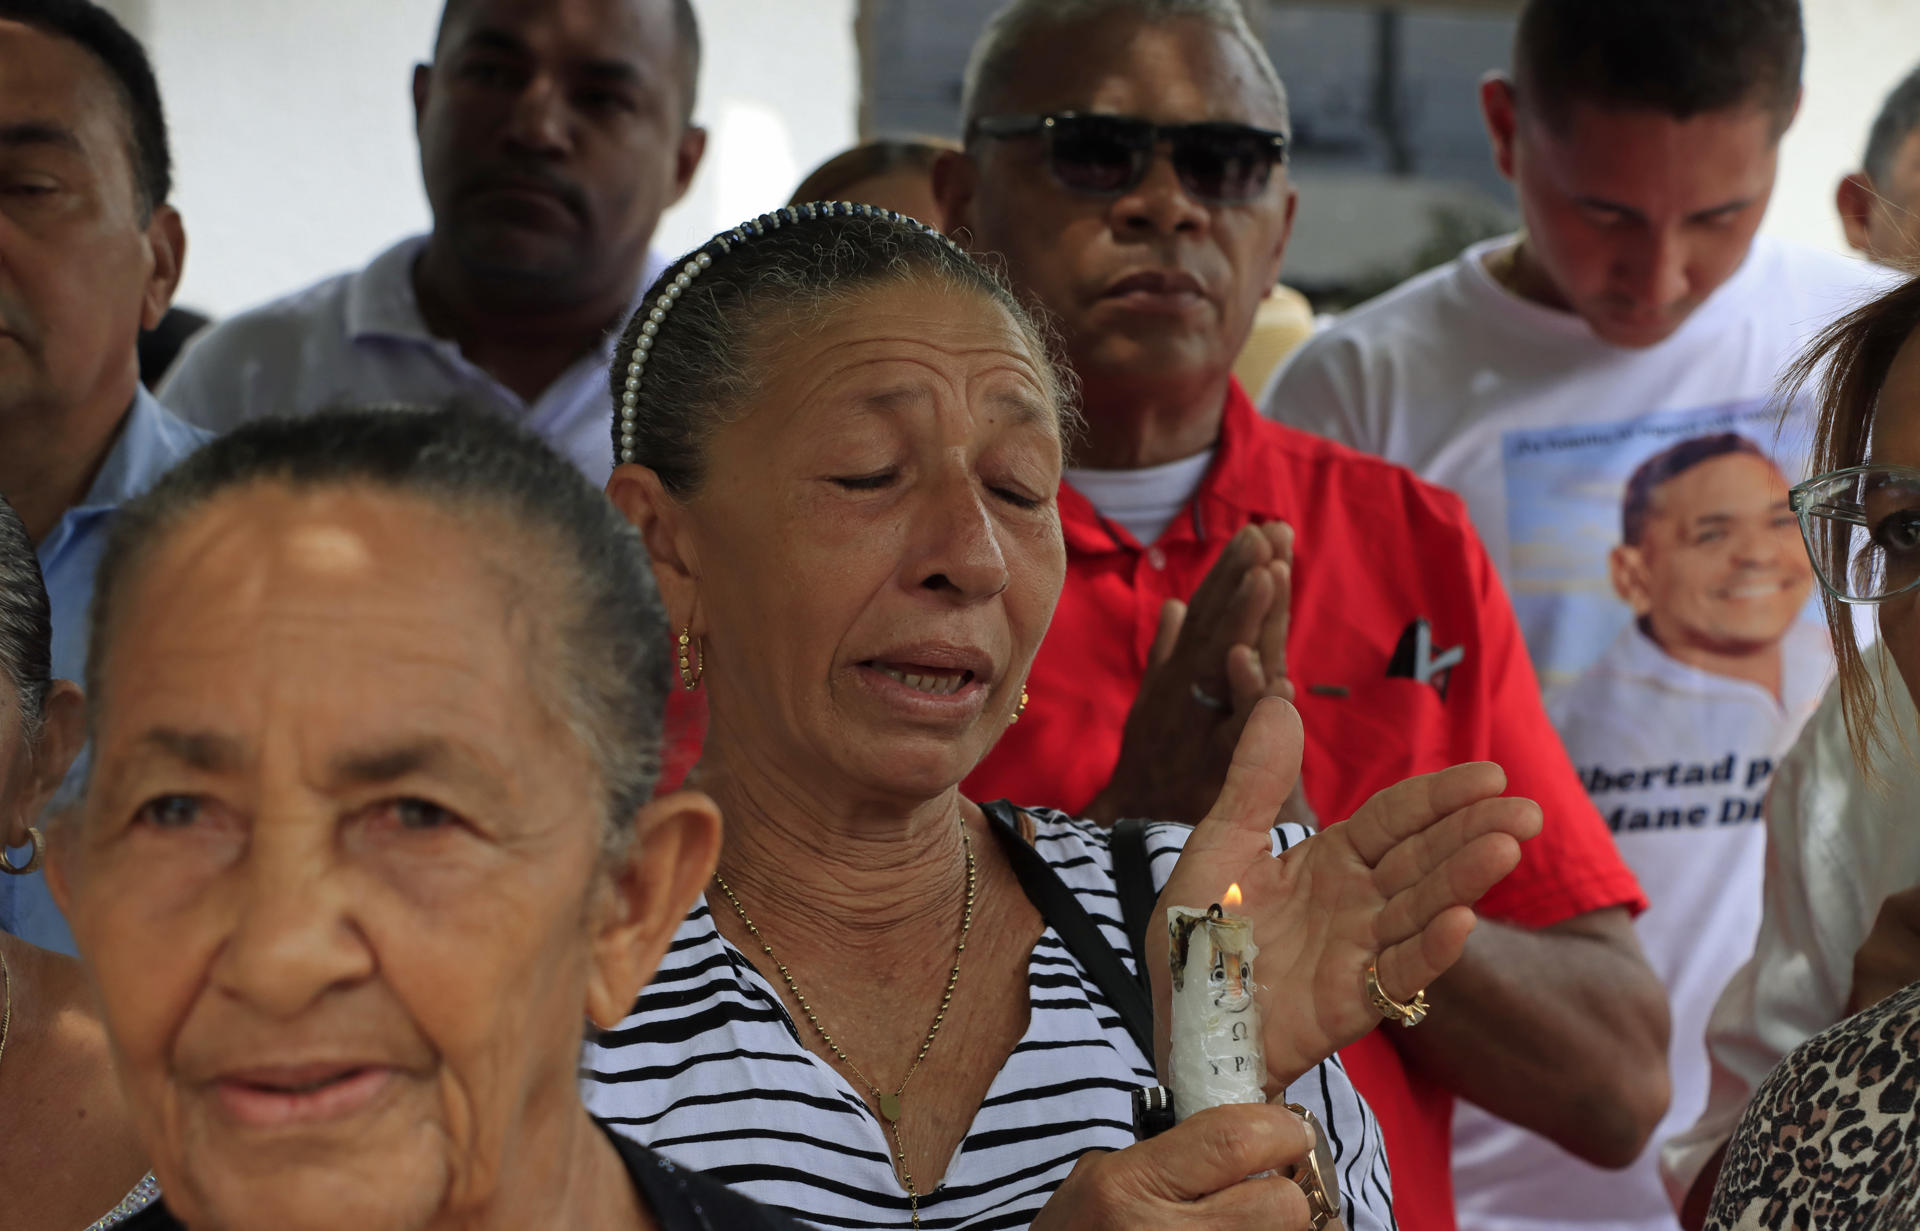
(1125, 160)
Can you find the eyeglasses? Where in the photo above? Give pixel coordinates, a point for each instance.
(1106, 155)
(1862, 527)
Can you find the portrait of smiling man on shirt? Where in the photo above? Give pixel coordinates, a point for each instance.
(1710, 557)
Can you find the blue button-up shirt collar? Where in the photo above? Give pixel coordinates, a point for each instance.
(151, 441)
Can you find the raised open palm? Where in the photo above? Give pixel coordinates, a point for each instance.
(1394, 884)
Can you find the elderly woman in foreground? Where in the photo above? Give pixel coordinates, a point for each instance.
(842, 441)
(1832, 1137)
(368, 840)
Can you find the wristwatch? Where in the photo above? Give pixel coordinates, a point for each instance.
(1318, 1177)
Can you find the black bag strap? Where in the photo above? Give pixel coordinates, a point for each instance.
(1133, 881)
(1064, 914)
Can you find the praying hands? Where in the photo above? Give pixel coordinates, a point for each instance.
(1213, 660)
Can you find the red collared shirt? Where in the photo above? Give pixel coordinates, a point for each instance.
(1376, 549)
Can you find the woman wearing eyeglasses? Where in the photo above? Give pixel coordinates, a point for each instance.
(1832, 1138)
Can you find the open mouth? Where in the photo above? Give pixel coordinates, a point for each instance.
(934, 681)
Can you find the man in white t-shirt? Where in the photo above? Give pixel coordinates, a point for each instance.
(1536, 372)
(552, 136)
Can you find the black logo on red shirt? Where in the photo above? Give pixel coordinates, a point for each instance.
(1415, 658)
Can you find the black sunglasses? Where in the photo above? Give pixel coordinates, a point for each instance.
(1106, 155)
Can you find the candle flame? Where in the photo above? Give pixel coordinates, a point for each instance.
(1231, 898)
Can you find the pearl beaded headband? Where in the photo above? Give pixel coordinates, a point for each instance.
(702, 260)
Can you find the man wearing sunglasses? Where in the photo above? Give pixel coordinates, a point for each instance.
(1126, 158)
(1531, 375)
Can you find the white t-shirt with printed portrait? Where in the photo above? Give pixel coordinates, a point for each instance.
(1539, 425)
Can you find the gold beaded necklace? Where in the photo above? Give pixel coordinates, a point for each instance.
(889, 1102)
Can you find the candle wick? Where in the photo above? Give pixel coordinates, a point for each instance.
(1214, 912)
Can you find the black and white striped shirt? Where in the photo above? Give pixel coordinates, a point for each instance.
(710, 1071)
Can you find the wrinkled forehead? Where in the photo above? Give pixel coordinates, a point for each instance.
(330, 596)
(893, 341)
(1173, 70)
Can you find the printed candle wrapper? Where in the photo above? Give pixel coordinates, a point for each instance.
(1218, 1058)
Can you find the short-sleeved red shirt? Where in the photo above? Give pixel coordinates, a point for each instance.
(1375, 550)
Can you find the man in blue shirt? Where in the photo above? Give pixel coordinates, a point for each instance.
(90, 253)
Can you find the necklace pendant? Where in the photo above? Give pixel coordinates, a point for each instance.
(890, 1107)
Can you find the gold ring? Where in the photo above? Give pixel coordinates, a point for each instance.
(1410, 1014)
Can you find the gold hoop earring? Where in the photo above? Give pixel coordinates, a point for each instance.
(691, 671)
(38, 841)
(1021, 708)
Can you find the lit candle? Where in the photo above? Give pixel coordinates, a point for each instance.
(1217, 1054)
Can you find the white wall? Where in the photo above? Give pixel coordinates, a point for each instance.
(294, 142)
(1856, 51)
(292, 136)
(293, 132)
(779, 94)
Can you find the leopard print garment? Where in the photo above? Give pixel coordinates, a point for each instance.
(1832, 1138)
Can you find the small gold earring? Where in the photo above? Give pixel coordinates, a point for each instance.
(1022, 708)
(690, 671)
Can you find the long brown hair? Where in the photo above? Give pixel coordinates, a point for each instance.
(1847, 367)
